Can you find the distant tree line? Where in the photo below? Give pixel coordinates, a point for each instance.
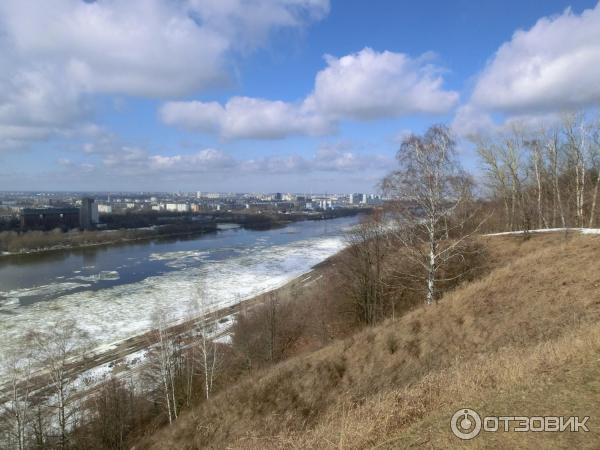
(15, 242)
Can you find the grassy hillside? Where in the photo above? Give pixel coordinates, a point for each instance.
(522, 340)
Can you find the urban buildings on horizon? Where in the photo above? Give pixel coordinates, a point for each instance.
(47, 210)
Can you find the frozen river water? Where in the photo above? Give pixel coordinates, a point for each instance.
(112, 292)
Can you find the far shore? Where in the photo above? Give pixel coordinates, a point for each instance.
(131, 235)
(57, 248)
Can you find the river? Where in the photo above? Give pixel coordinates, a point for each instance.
(112, 292)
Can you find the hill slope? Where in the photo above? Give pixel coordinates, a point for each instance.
(522, 340)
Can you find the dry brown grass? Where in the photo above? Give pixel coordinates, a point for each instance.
(523, 339)
(506, 383)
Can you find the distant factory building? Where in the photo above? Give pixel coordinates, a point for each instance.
(49, 218)
(88, 213)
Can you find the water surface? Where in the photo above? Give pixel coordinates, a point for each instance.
(113, 291)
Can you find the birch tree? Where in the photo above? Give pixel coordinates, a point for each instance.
(553, 149)
(429, 185)
(57, 350)
(575, 134)
(203, 339)
(535, 147)
(497, 176)
(162, 362)
(594, 157)
(17, 408)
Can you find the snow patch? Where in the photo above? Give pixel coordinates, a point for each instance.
(548, 230)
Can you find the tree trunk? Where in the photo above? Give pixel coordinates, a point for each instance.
(594, 197)
(541, 218)
(431, 266)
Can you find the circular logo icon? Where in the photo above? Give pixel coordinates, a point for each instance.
(465, 424)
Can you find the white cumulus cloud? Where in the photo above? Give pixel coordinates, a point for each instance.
(245, 117)
(57, 53)
(370, 85)
(362, 86)
(554, 66)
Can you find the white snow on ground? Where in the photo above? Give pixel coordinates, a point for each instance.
(122, 311)
(590, 230)
(225, 339)
(548, 230)
(136, 357)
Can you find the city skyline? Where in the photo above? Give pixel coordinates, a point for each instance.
(271, 96)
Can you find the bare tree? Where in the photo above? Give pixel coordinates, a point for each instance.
(112, 408)
(553, 149)
(535, 146)
(576, 135)
(204, 336)
(57, 350)
(160, 369)
(594, 158)
(17, 408)
(271, 323)
(363, 268)
(498, 176)
(430, 185)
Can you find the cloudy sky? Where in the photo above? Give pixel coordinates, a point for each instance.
(271, 95)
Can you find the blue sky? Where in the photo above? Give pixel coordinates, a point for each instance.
(272, 95)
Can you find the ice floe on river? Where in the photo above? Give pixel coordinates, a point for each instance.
(124, 310)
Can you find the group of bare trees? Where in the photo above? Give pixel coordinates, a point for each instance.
(39, 402)
(363, 269)
(47, 400)
(547, 178)
(536, 179)
(183, 360)
(265, 332)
